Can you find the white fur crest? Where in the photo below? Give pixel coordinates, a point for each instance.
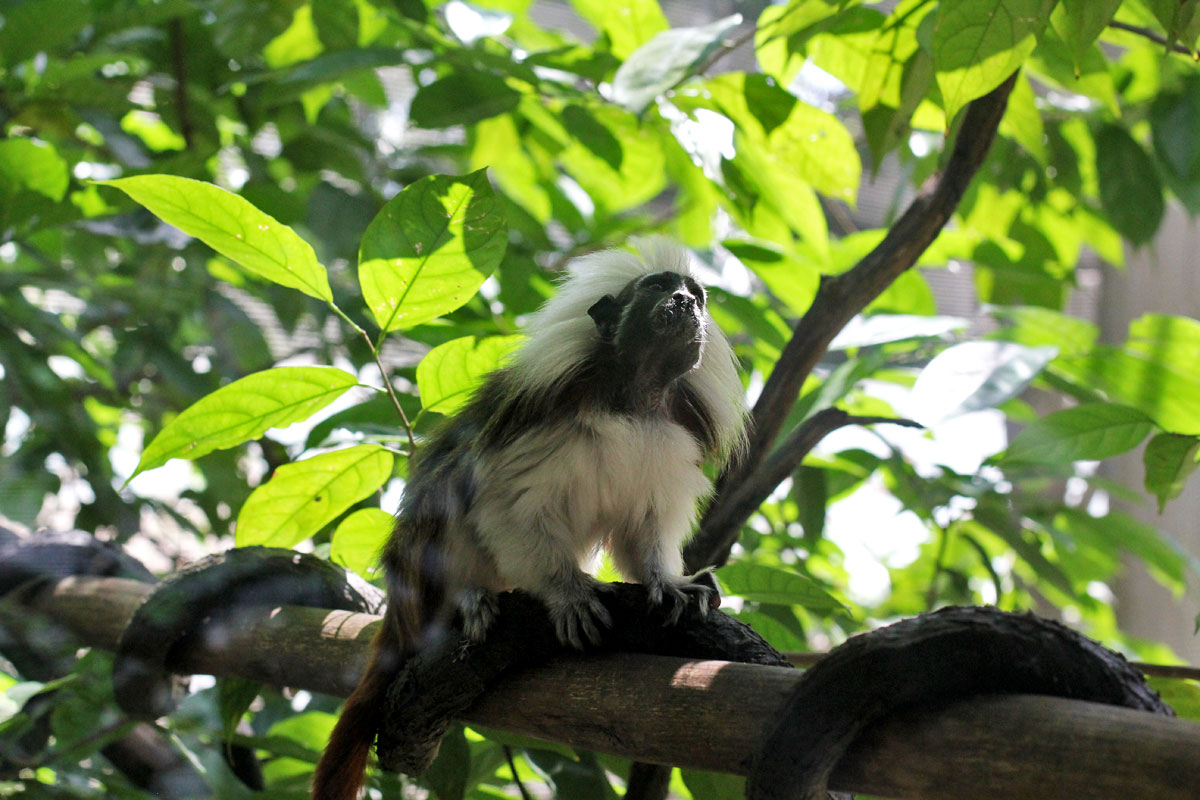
(561, 332)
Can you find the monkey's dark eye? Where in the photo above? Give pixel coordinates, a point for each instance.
(696, 289)
(659, 283)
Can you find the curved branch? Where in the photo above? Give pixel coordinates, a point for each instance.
(838, 299)
(741, 500)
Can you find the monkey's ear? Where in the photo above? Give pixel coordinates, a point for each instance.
(606, 313)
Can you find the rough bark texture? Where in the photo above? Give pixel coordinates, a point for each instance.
(715, 715)
(927, 661)
(211, 597)
(443, 681)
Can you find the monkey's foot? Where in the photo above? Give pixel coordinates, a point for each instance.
(674, 595)
(577, 613)
(478, 608)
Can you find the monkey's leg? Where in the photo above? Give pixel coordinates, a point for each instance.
(649, 554)
(545, 563)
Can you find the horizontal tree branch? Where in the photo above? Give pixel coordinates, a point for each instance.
(713, 715)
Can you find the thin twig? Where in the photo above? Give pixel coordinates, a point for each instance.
(1156, 37)
(179, 63)
(512, 766)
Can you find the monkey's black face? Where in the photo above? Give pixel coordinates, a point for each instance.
(656, 325)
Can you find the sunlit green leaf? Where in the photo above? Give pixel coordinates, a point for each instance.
(430, 248)
(791, 280)
(976, 375)
(665, 60)
(497, 146)
(1154, 371)
(305, 496)
(244, 410)
(640, 174)
(1080, 22)
(1023, 121)
(628, 24)
(977, 44)
(713, 785)
(359, 539)
(1169, 459)
(233, 227)
(450, 372)
(299, 42)
(1089, 432)
(1034, 326)
(26, 164)
(1122, 532)
(759, 583)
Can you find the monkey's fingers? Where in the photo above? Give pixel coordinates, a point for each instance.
(478, 608)
(579, 624)
(674, 597)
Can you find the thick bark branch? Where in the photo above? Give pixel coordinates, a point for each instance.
(714, 715)
(838, 299)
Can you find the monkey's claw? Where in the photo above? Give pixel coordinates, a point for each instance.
(479, 609)
(675, 596)
(578, 620)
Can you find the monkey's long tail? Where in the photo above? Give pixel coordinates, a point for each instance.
(342, 769)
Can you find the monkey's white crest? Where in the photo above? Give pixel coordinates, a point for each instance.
(561, 332)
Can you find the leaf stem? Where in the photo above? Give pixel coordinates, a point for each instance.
(376, 348)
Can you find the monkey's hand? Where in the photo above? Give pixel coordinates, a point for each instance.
(675, 593)
(576, 610)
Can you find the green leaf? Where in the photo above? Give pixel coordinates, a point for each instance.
(640, 174)
(461, 98)
(781, 138)
(977, 44)
(1088, 432)
(430, 248)
(359, 539)
(303, 497)
(233, 227)
(628, 24)
(976, 375)
(234, 696)
(1119, 531)
(450, 372)
(713, 785)
(792, 280)
(1174, 120)
(1080, 22)
(497, 146)
(36, 166)
(40, 26)
(666, 60)
(1023, 121)
(1154, 371)
(244, 410)
(1033, 326)
(309, 728)
(1130, 191)
(1169, 459)
(759, 583)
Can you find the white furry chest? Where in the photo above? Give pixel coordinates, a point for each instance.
(583, 482)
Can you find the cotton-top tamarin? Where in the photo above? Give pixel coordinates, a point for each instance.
(593, 436)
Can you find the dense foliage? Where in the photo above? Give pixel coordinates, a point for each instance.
(222, 217)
